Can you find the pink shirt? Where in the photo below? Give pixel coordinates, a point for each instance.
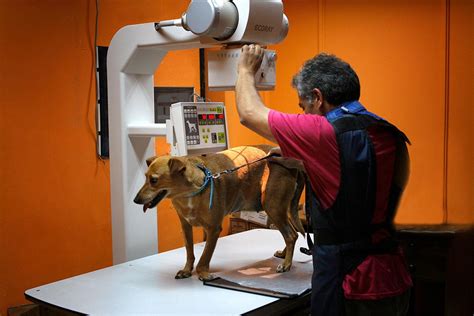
(312, 139)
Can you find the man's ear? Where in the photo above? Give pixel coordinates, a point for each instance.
(150, 160)
(318, 98)
(176, 165)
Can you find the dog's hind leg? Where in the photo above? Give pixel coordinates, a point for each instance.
(186, 272)
(279, 195)
(277, 210)
(202, 267)
(280, 219)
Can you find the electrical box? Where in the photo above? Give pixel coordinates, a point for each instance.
(197, 128)
(165, 96)
(222, 70)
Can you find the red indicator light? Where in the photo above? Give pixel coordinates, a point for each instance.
(212, 116)
(221, 116)
(204, 116)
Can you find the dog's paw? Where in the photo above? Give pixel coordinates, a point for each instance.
(183, 274)
(283, 268)
(280, 254)
(205, 276)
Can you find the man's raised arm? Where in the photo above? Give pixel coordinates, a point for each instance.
(252, 112)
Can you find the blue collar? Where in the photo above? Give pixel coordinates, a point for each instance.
(208, 179)
(352, 107)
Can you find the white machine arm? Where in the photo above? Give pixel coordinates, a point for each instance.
(133, 56)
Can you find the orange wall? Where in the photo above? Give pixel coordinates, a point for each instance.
(54, 193)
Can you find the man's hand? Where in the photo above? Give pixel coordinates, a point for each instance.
(250, 59)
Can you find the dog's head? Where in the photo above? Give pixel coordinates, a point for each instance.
(165, 178)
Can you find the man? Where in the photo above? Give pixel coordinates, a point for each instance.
(357, 167)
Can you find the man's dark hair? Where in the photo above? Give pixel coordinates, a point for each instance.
(335, 78)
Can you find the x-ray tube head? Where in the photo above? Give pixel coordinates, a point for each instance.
(214, 18)
(233, 22)
(284, 29)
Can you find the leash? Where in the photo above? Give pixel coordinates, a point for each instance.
(309, 205)
(218, 174)
(208, 180)
(210, 177)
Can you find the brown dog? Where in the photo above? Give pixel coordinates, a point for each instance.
(273, 185)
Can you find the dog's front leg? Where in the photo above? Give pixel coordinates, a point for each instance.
(202, 267)
(186, 272)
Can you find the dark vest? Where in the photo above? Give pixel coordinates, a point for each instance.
(343, 231)
(349, 218)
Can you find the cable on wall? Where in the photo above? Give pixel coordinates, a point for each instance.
(446, 113)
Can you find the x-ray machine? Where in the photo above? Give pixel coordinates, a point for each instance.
(133, 57)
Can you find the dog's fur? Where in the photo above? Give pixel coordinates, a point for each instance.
(273, 185)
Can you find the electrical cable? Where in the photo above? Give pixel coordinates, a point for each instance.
(95, 67)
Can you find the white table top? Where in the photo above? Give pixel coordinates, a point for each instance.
(148, 286)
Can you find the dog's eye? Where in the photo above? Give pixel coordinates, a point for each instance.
(153, 180)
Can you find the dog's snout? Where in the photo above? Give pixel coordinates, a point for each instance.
(138, 199)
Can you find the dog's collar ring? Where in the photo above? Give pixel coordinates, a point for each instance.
(219, 174)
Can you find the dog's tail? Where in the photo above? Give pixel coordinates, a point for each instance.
(294, 218)
(298, 167)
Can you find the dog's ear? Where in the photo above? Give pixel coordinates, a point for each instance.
(150, 160)
(176, 165)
